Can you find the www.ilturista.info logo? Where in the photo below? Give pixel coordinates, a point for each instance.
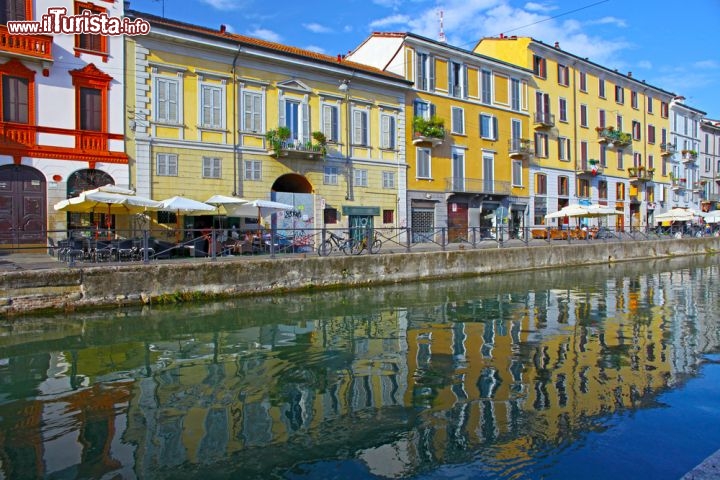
(57, 21)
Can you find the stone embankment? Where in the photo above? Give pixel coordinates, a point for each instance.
(106, 285)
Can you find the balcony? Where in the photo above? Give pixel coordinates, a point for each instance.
(641, 174)
(520, 147)
(677, 184)
(544, 120)
(689, 156)
(430, 131)
(699, 186)
(667, 149)
(92, 141)
(26, 46)
(476, 185)
(17, 135)
(279, 144)
(589, 168)
(613, 137)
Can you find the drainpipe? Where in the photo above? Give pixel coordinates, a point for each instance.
(236, 180)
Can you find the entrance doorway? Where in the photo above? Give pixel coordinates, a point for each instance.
(457, 222)
(23, 206)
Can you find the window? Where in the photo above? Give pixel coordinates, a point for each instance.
(361, 177)
(564, 149)
(86, 42)
(425, 79)
(651, 161)
(166, 164)
(563, 186)
(486, 85)
(167, 218)
(14, 10)
(542, 105)
(423, 163)
(388, 179)
(211, 106)
(584, 188)
(388, 216)
(620, 160)
(515, 94)
(253, 170)
(619, 94)
(541, 145)
(541, 184)
(583, 115)
(651, 134)
(457, 79)
(295, 115)
(331, 122)
(387, 131)
(212, 167)
(636, 130)
(637, 159)
(619, 122)
(664, 109)
(458, 120)
(634, 99)
(91, 87)
(360, 127)
(563, 110)
(583, 82)
(252, 108)
(601, 88)
(563, 73)
(603, 154)
(15, 99)
(166, 100)
(488, 126)
(330, 216)
(620, 191)
(584, 152)
(539, 66)
(423, 109)
(603, 189)
(517, 173)
(649, 104)
(601, 118)
(331, 175)
(90, 109)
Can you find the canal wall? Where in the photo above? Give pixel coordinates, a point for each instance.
(105, 285)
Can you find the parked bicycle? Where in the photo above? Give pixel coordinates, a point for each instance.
(359, 246)
(335, 243)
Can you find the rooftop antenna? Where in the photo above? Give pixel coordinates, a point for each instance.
(441, 35)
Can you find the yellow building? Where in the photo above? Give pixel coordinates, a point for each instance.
(211, 112)
(600, 136)
(468, 146)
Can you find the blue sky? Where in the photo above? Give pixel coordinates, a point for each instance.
(668, 44)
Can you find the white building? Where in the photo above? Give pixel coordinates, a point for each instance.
(709, 158)
(61, 121)
(686, 188)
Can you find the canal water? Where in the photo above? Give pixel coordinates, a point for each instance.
(602, 372)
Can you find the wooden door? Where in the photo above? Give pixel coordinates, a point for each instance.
(23, 206)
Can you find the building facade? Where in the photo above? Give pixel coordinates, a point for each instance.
(710, 163)
(468, 148)
(599, 135)
(687, 186)
(218, 113)
(62, 122)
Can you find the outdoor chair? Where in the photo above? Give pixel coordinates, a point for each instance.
(125, 250)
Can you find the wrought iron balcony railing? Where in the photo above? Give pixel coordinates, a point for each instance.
(544, 120)
(476, 185)
(520, 147)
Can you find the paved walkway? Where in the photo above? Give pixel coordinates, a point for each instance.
(709, 469)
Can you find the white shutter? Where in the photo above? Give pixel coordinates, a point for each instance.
(305, 134)
(282, 112)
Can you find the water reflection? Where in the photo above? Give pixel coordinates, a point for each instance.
(502, 370)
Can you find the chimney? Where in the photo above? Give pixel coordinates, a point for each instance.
(502, 35)
(557, 45)
(222, 28)
(630, 74)
(339, 58)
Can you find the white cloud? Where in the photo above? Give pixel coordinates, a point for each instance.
(317, 28)
(539, 7)
(618, 22)
(707, 64)
(315, 48)
(391, 20)
(646, 64)
(265, 34)
(388, 3)
(222, 4)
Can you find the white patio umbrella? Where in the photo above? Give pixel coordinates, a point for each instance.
(569, 211)
(677, 214)
(185, 206)
(259, 208)
(109, 198)
(713, 216)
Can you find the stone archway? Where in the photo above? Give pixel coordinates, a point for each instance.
(23, 206)
(80, 181)
(292, 183)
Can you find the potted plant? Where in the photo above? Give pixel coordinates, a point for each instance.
(277, 138)
(433, 128)
(321, 141)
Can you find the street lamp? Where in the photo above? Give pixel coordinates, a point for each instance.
(345, 89)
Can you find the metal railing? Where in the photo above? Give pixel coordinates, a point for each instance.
(92, 247)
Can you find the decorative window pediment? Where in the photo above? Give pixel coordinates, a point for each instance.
(294, 85)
